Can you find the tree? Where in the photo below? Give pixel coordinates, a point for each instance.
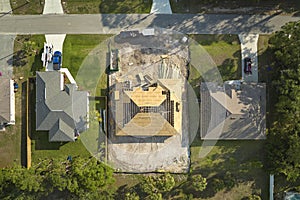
(28, 47)
(85, 179)
(283, 142)
(88, 175)
(155, 185)
(286, 46)
(198, 182)
(131, 195)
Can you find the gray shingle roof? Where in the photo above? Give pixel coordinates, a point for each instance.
(59, 111)
(61, 131)
(4, 100)
(246, 121)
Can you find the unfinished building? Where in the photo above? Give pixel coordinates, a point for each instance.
(147, 109)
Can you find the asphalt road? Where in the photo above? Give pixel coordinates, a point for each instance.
(114, 23)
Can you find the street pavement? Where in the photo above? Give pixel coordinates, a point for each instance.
(161, 7)
(114, 23)
(249, 50)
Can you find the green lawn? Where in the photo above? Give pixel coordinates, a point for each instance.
(77, 47)
(208, 6)
(225, 51)
(43, 149)
(104, 6)
(26, 64)
(10, 145)
(243, 160)
(23, 7)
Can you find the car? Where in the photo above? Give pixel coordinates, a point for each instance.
(247, 66)
(57, 60)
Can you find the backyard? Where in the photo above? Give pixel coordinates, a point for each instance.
(234, 169)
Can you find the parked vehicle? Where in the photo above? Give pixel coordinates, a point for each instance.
(16, 87)
(247, 66)
(57, 60)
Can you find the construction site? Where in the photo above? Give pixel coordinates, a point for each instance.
(147, 102)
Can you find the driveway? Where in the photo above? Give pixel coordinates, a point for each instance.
(161, 7)
(57, 40)
(6, 54)
(5, 6)
(53, 7)
(249, 50)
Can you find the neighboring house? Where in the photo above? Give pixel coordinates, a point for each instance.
(233, 111)
(7, 101)
(60, 108)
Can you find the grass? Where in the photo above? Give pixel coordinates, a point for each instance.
(43, 149)
(242, 159)
(225, 51)
(241, 6)
(26, 64)
(104, 6)
(23, 7)
(77, 47)
(10, 144)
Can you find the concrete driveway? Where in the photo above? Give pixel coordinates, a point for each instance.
(53, 7)
(249, 50)
(5, 6)
(161, 7)
(6, 54)
(57, 40)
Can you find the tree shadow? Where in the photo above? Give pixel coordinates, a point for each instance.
(227, 69)
(243, 159)
(115, 6)
(18, 59)
(37, 65)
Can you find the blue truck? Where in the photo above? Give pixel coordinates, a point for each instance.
(56, 60)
